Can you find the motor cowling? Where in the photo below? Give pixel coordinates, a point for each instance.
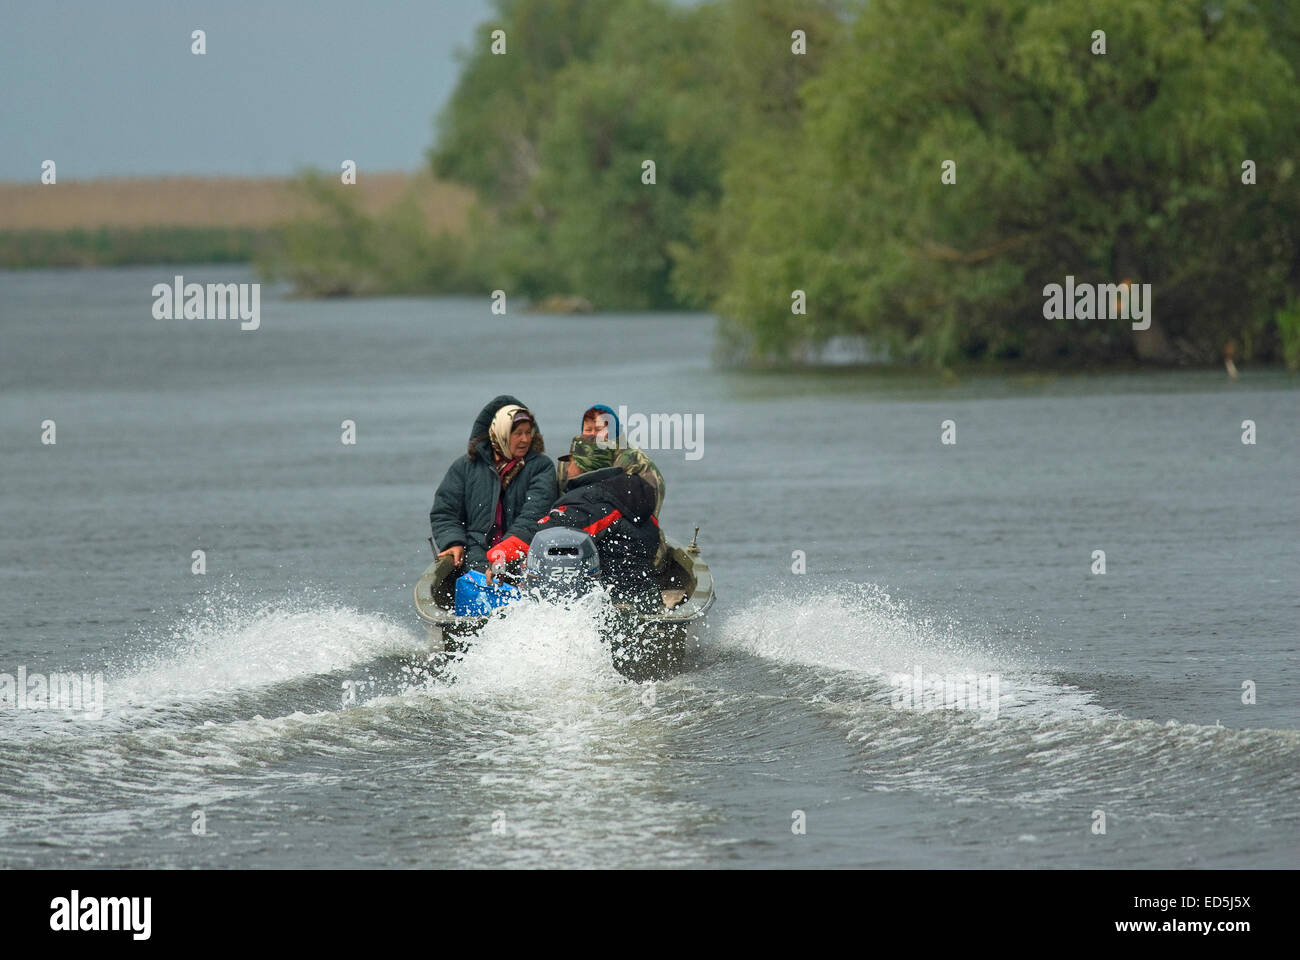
(562, 560)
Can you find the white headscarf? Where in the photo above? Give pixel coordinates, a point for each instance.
(503, 422)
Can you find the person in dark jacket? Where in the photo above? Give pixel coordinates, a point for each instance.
(617, 509)
(595, 450)
(491, 498)
(600, 426)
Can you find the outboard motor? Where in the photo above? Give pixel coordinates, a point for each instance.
(562, 561)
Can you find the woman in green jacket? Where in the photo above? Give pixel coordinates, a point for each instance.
(493, 496)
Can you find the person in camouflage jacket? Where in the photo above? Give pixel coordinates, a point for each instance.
(600, 425)
(586, 457)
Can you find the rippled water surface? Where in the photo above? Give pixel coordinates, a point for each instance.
(283, 700)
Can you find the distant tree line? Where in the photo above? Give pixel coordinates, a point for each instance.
(919, 170)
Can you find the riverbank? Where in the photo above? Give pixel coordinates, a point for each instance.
(120, 222)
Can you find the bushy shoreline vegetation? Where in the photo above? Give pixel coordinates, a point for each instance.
(124, 246)
(821, 172)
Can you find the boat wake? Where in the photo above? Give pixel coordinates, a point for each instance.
(857, 651)
(861, 630)
(235, 709)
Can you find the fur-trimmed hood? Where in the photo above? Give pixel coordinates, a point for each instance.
(480, 446)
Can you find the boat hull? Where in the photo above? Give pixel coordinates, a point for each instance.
(643, 645)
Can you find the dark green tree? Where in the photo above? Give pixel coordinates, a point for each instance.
(1107, 167)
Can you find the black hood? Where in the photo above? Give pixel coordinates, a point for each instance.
(593, 476)
(484, 418)
(478, 434)
(634, 496)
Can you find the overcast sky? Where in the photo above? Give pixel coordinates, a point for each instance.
(110, 87)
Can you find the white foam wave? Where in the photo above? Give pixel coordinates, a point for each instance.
(861, 629)
(537, 648)
(219, 653)
(268, 647)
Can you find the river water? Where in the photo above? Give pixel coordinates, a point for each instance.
(276, 710)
